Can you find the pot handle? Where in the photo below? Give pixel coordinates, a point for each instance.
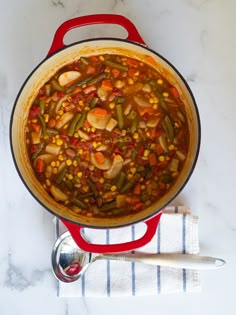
(75, 231)
(58, 42)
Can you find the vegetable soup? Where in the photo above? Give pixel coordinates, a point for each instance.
(107, 135)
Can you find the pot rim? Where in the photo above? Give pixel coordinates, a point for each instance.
(198, 124)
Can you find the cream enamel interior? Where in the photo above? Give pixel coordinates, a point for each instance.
(45, 71)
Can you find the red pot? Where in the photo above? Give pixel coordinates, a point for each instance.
(60, 55)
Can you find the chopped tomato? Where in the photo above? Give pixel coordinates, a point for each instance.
(90, 89)
(107, 85)
(34, 111)
(36, 127)
(39, 166)
(99, 157)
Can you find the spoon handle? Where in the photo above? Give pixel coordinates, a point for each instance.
(187, 261)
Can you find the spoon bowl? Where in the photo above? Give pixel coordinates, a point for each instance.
(69, 262)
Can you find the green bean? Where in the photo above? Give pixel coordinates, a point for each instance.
(118, 211)
(69, 184)
(120, 180)
(57, 86)
(82, 196)
(61, 175)
(120, 117)
(93, 188)
(127, 186)
(36, 153)
(134, 125)
(42, 106)
(52, 131)
(43, 124)
(52, 105)
(108, 206)
(134, 153)
(81, 121)
(168, 127)
(79, 83)
(120, 99)
(71, 128)
(93, 102)
(132, 114)
(96, 79)
(79, 204)
(116, 65)
(166, 178)
(48, 89)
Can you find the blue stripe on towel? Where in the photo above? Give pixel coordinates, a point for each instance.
(108, 266)
(158, 251)
(133, 264)
(176, 209)
(184, 250)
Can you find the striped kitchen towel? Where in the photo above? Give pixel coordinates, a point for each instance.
(177, 233)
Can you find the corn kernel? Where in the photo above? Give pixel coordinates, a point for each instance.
(113, 188)
(165, 94)
(101, 180)
(59, 142)
(57, 163)
(65, 126)
(54, 170)
(81, 103)
(46, 117)
(60, 112)
(135, 135)
(167, 158)
(87, 108)
(123, 132)
(148, 134)
(76, 135)
(101, 58)
(136, 73)
(57, 136)
(48, 183)
(133, 170)
(80, 151)
(153, 146)
(93, 129)
(57, 117)
(161, 158)
(146, 153)
(66, 202)
(75, 163)
(112, 105)
(53, 163)
(130, 81)
(130, 176)
(131, 163)
(155, 106)
(79, 174)
(60, 157)
(68, 162)
(171, 147)
(160, 81)
(143, 187)
(151, 101)
(94, 144)
(34, 121)
(70, 176)
(53, 140)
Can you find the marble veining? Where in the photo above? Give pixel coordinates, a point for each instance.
(198, 38)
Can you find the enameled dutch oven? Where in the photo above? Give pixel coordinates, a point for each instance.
(60, 55)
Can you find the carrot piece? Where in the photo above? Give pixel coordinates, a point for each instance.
(106, 85)
(86, 124)
(52, 123)
(174, 92)
(90, 89)
(138, 206)
(36, 127)
(99, 157)
(137, 189)
(152, 159)
(152, 133)
(90, 69)
(150, 59)
(115, 72)
(39, 166)
(76, 90)
(132, 63)
(100, 112)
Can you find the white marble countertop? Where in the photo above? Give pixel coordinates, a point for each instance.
(198, 37)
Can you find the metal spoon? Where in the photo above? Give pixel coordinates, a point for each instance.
(69, 262)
